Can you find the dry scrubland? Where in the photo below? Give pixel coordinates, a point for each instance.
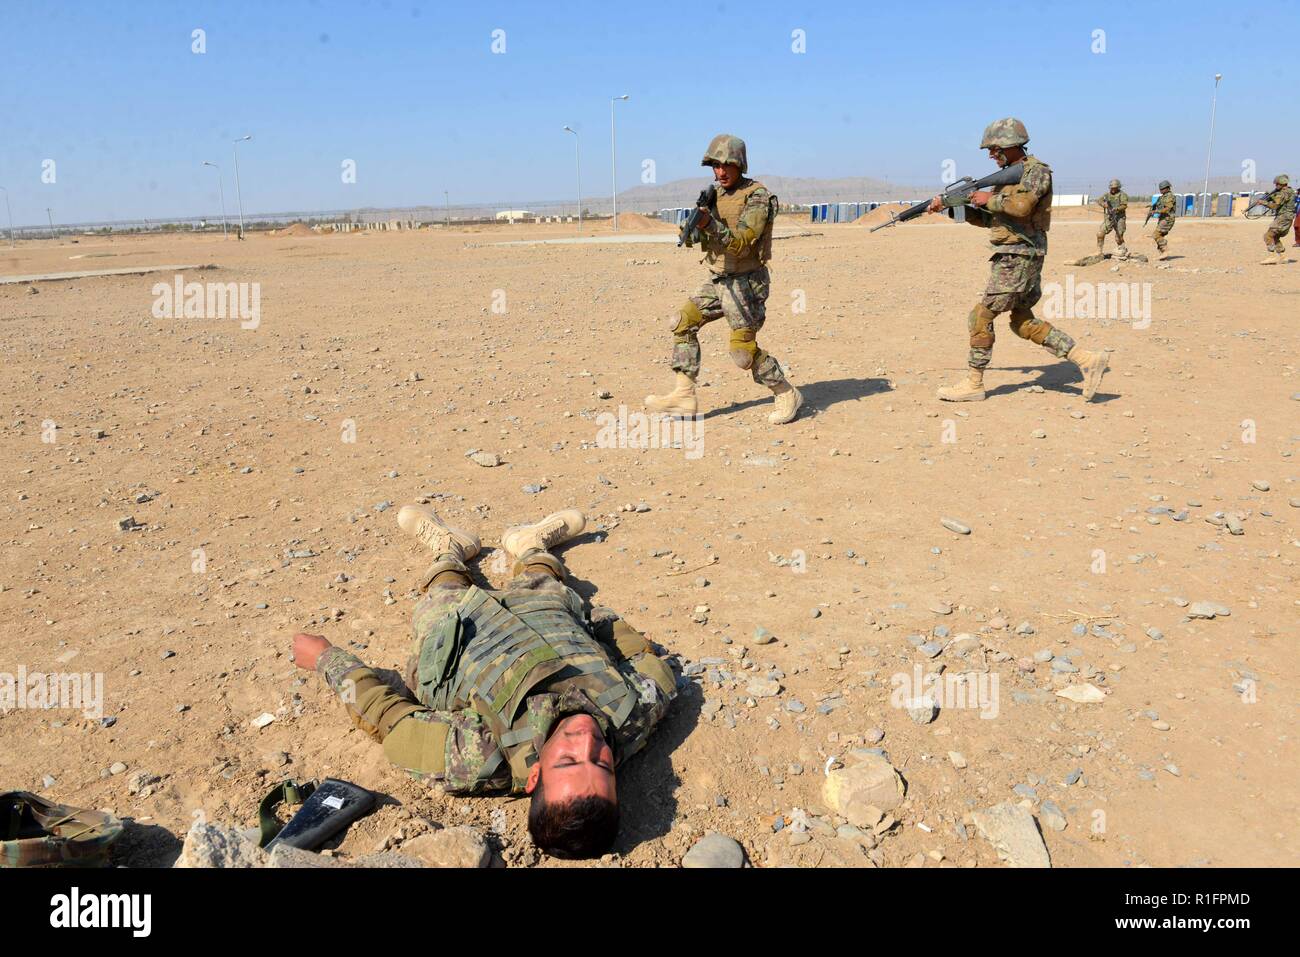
(234, 437)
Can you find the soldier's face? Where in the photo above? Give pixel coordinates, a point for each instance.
(726, 174)
(998, 156)
(577, 762)
(1114, 189)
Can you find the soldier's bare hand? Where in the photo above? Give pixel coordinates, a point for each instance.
(936, 205)
(307, 649)
(980, 198)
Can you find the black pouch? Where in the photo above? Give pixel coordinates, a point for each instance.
(327, 808)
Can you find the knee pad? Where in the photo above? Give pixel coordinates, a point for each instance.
(743, 347)
(689, 319)
(1028, 326)
(980, 323)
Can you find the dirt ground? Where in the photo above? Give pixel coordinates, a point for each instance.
(258, 518)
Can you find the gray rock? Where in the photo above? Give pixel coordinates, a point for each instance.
(532, 489)
(863, 789)
(874, 736)
(1050, 815)
(1012, 831)
(955, 526)
(1079, 630)
(930, 649)
(1208, 609)
(1043, 656)
(1155, 634)
(715, 850)
(1063, 666)
(1025, 628)
(795, 706)
(941, 608)
(1260, 484)
(1025, 791)
(486, 459)
(209, 845)
(1074, 776)
(284, 856)
(763, 688)
(117, 767)
(922, 710)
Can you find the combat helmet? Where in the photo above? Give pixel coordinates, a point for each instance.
(1282, 180)
(725, 148)
(35, 832)
(1115, 184)
(1164, 184)
(1005, 132)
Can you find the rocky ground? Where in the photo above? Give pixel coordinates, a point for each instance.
(1114, 584)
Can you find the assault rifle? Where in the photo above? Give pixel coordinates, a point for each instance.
(963, 187)
(704, 201)
(1256, 208)
(1150, 211)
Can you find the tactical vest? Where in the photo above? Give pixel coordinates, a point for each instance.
(1023, 235)
(492, 652)
(729, 206)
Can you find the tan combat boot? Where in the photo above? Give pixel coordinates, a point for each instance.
(681, 401)
(1093, 365)
(554, 530)
(442, 539)
(972, 390)
(786, 406)
(1123, 252)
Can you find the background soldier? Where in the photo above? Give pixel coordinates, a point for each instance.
(518, 691)
(1114, 209)
(1017, 218)
(1283, 202)
(1164, 210)
(736, 236)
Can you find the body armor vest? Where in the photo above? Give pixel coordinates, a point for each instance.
(1020, 235)
(492, 652)
(728, 209)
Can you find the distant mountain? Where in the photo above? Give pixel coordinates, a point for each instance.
(789, 189)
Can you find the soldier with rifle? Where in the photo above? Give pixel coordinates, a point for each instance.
(1018, 217)
(1282, 201)
(1114, 209)
(1163, 209)
(732, 222)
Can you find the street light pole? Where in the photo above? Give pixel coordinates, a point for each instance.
(1214, 102)
(11, 216)
(50, 216)
(446, 201)
(577, 152)
(613, 165)
(239, 193)
(221, 186)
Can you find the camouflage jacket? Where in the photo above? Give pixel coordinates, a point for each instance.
(1165, 205)
(1114, 202)
(1018, 216)
(738, 236)
(452, 747)
(1283, 201)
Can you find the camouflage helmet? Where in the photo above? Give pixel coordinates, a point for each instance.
(35, 832)
(1282, 180)
(1004, 133)
(1164, 184)
(1114, 184)
(725, 148)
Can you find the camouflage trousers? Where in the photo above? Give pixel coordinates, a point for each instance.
(1163, 226)
(742, 300)
(1014, 286)
(1121, 221)
(1279, 228)
(541, 571)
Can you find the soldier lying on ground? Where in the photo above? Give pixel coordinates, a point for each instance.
(517, 689)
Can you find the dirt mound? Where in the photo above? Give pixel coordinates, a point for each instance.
(638, 223)
(882, 214)
(297, 229)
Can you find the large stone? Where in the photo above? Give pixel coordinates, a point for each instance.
(1012, 831)
(868, 783)
(284, 856)
(789, 849)
(210, 845)
(388, 859)
(450, 847)
(715, 850)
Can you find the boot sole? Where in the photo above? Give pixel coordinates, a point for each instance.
(974, 397)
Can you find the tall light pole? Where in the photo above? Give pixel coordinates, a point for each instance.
(613, 166)
(238, 192)
(50, 216)
(446, 202)
(577, 152)
(1214, 102)
(221, 186)
(11, 216)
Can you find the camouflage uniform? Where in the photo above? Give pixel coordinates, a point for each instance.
(737, 244)
(35, 832)
(1283, 202)
(1164, 210)
(1018, 217)
(1114, 208)
(564, 664)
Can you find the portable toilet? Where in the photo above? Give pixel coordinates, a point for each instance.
(1224, 205)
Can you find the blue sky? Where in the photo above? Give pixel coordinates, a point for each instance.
(412, 91)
